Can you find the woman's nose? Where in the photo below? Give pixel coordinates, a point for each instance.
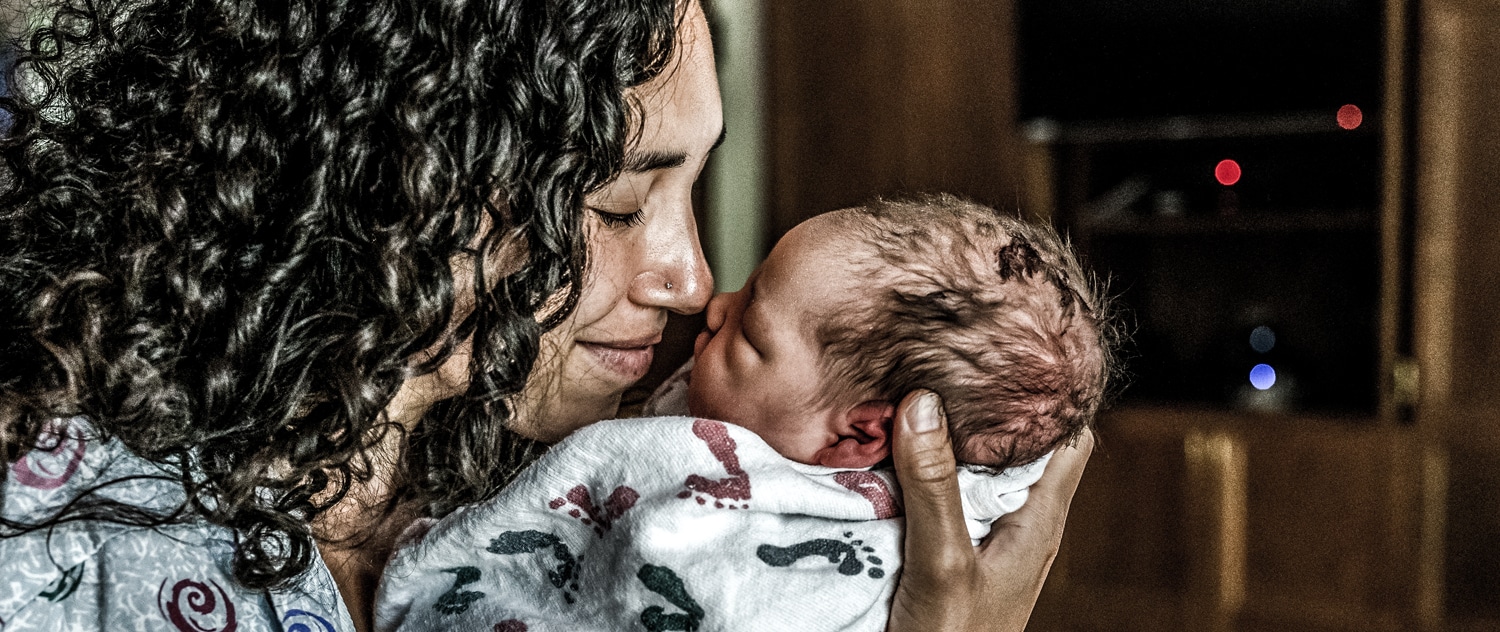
(697, 283)
(677, 278)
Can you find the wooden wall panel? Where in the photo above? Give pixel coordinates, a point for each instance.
(1458, 228)
(1457, 299)
(882, 96)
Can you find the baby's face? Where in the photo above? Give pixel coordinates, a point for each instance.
(757, 364)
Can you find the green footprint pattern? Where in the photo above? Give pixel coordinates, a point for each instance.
(835, 551)
(565, 576)
(457, 601)
(662, 581)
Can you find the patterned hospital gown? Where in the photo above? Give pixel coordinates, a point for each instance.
(92, 575)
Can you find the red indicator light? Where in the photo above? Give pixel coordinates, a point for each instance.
(1350, 116)
(1228, 172)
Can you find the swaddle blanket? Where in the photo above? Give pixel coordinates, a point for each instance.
(669, 523)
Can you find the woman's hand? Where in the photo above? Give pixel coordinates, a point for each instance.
(947, 584)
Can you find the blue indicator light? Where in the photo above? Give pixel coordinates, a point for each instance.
(1262, 376)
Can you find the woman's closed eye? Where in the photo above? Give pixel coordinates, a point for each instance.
(620, 220)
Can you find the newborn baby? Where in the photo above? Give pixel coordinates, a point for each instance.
(774, 520)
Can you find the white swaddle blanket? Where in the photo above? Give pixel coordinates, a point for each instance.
(670, 523)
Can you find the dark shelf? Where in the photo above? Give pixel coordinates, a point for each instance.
(1247, 223)
(1291, 244)
(1181, 128)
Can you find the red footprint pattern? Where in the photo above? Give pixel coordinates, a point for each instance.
(737, 486)
(621, 499)
(873, 488)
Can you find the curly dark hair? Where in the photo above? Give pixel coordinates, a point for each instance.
(226, 226)
(992, 312)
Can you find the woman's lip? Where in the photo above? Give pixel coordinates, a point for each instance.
(630, 363)
(633, 343)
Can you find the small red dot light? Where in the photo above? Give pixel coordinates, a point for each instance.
(1228, 172)
(1350, 116)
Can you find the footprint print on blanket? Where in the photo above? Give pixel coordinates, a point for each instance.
(456, 600)
(722, 490)
(873, 488)
(601, 519)
(663, 581)
(564, 577)
(845, 554)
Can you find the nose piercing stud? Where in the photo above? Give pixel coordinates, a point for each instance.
(669, 285)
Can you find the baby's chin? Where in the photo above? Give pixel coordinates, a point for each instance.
(700, 405)
(696, 407)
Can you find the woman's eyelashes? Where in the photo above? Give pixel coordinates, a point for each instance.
(620, 220)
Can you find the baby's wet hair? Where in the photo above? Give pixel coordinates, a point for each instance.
(992, 312)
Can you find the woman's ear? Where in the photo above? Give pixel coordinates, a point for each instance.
(863, 436)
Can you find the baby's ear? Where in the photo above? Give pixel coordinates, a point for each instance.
(863, 436)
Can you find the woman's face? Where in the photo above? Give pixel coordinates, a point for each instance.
(644, 256)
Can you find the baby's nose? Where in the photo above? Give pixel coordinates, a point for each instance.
(717, 312)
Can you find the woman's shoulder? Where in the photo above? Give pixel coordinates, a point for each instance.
(73, 462)
(176, 577)
(101, 574)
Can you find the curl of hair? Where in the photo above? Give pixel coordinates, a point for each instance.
(993, 313)
(227, 225)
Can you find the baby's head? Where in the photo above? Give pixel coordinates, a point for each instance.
(855, 308)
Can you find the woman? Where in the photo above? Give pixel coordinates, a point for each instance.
(285, 264)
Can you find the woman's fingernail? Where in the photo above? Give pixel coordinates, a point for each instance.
(925, 412)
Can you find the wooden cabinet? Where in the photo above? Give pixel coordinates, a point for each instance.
(1456, 303)
(1210, 521)
(1197, 517)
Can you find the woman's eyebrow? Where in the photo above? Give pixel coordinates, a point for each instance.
(641, 162)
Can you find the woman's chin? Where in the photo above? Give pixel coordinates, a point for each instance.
(554, 421)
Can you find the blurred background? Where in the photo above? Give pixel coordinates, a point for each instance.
(1293, 201)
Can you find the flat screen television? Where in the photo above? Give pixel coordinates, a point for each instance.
(1090, 60)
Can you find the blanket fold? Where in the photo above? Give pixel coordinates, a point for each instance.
(670, 523)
